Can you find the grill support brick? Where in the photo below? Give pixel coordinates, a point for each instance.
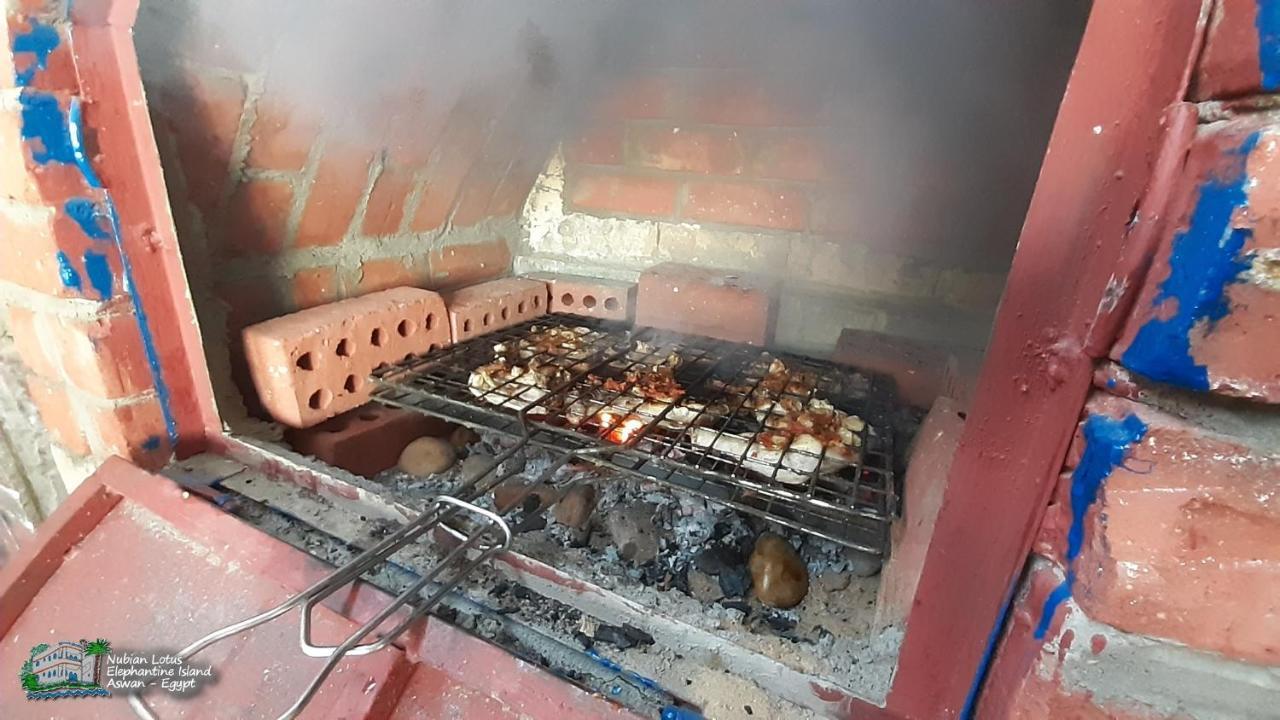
(697, 301)
(590, 297)
(314, 364)
(366, 440)
(491, 306)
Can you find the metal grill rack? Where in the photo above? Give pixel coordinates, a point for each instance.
(708, 441)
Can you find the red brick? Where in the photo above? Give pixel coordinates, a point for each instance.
(740, 203)
(925, 485)
(35, 236)
(491, 306)
(599, 144)
(590, 297)
(387, 273)
(104, 357)
(59, 71)
(1229, 62)
(609, 192)
(640, 96)
(258, 217)
(22, 326)
(366, 440)
(698, 301)
(684, 149)
(135, 432)
(917, 369)
(1184, 541)
(788, 156)
(333, 196)
(477, 191)
(413, 125)
(509, 199)
(58, 414)
(385, 209)
(314, 286)
(454, 266)
(1225, 352)
(204, 116)
(314, 364)
(15, 183)
(441, 190)
(282, 134)
(740, 99)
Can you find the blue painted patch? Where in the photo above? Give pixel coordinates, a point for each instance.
(671, 712)
(69, 275)
(1204, 259)
(99, 272)
(1106, 444)
(89, 216)
(40, 41)
(151, 443)
(71, 151)
(1267, 22)
(1111, 383)
(43, 120)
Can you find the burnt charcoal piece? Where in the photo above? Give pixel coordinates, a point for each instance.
(717, 559)
(634, 533)
(740, 605)
(781, 624)
(531, 523)
(735, 583)
(623, 637)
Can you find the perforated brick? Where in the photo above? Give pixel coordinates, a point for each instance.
(590, 297)
(491, 306)
(366, 440)
(314, 364)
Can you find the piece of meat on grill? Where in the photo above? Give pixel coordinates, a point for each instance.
(792, 457)
(516, 386)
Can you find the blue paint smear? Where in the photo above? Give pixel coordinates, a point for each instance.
(43, 120)
(1267, 22)
(1204, 259)
(152, 443)
(89, 216)
(40, 41)
(73, 153)
(980, 676)
(69, 275)
(1106, 444)
(671, 712)
(99, 272)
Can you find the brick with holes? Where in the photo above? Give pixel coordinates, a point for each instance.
(488, 307)
(313, 364)
(366, 440)
(590, 297)
(697, 301)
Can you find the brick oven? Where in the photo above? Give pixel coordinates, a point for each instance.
(678, 360)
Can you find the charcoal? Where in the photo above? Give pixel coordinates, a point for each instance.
(735, 582)
(623, 637)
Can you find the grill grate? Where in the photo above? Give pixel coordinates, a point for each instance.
(715, 440)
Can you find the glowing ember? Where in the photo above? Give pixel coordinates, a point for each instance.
(621, 432)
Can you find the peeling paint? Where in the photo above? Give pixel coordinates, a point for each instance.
(41, 40)
(69, 275)
(1106, 444)
(89, 216)
(99, 272)
(1204, 259)
(44, 121)
(1267, 22)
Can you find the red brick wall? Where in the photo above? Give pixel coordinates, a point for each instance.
(1175, 565)
(69, 301)
(293, 188)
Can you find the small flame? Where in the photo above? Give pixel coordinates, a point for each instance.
(621, 432)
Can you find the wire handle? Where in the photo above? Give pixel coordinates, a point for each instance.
(442, 508)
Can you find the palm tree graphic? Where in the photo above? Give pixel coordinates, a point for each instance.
(98, 648)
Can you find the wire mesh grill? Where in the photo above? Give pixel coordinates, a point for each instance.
(733, 423)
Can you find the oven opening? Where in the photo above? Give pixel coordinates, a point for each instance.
(615, 325)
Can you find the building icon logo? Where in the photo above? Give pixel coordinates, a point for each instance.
(65, 670)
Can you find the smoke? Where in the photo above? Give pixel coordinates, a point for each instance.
(937, 110)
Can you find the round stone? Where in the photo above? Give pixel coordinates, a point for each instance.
(427, 456)
(778, 573)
